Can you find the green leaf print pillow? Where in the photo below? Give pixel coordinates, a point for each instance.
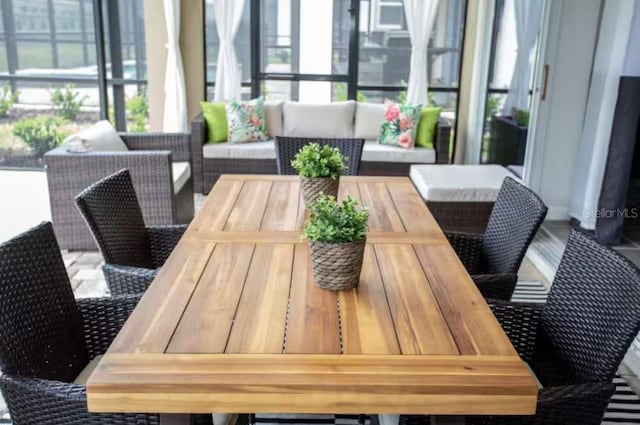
(399, 127)
(246, 121)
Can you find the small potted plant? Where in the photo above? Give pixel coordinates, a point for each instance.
(320, 168)
(336, 232)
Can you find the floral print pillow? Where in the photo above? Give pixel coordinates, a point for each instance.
(399, 127)
(246, 121)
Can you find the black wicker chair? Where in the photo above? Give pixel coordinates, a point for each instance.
(575, 342)
(288, 147)
(131, 251)
(493, 258)
(47, 337)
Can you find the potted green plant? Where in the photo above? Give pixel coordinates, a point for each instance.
(319, 168)
(336, 233)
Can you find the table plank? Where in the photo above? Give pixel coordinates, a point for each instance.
(260, 321)
(367, 325)
(151, 324)
(217, 206)
(206, 322)
(313, 383)
(419, 323)
(312, 321)
(383, 216)
(250, 206)
(413, 211)
(470, 321)
(281, 212)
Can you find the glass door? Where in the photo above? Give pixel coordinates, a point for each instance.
(515, 49)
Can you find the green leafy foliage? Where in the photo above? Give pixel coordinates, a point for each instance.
(336, 222)
(137, 113)
(522, 117)
(41, 133)
(314, 160)
(7, 99)
(67, 102)
(340, 93)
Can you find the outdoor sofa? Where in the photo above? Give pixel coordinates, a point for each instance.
(348, 119)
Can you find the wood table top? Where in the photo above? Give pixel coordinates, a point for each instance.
(234, 322)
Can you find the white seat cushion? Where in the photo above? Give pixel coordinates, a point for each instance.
(369, 119)
(330, 120)
(252, 150)
(375, 152)
(181, 174)
(458, 183)
(84, 375)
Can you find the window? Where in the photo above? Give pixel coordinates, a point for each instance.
(306, 50)
(390, 14)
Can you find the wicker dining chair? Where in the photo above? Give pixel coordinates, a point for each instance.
(576, 341)
(132, 252)
(47, 338)
(288, 147)
(493, 258)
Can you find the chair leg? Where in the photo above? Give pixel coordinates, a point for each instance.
(252, 419)
(362, 419)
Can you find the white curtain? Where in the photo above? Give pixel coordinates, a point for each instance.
(528, 14)
(420, 15)
(175, 99)
(227, 14)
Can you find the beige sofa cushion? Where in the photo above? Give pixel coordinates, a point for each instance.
(369, 118)
(273, 118)
(181, 174)
(375, 152)
(330, 120)
(252, 150)
(458, 183)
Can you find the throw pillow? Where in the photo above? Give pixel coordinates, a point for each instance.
(246, 121)
(100, 137)
(399, 126)
(215, 115)
(426, 132)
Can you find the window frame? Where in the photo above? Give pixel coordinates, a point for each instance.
(117, 84)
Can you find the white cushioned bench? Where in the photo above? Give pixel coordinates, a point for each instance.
(460, 197)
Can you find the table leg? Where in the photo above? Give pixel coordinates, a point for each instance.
(389, 419)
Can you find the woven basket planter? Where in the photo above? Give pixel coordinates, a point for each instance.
(337, 266)
(312, 187)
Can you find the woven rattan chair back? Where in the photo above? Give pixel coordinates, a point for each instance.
(288, 147)
(514, 221)
(41, 330)
(111, 209)
(591, 316)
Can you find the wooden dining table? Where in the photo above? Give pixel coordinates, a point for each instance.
(234, 322)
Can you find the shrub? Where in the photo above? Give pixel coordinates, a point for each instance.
(522, 117)
(67, 102)
(336, 222)
(314, 160)
(7, 99)
(137, 112)
(41, 133)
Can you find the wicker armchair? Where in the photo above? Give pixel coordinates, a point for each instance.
(47, 338)
(493, 258)
(576, 342)
(131, 251)
(288, 147)
(150, 159)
